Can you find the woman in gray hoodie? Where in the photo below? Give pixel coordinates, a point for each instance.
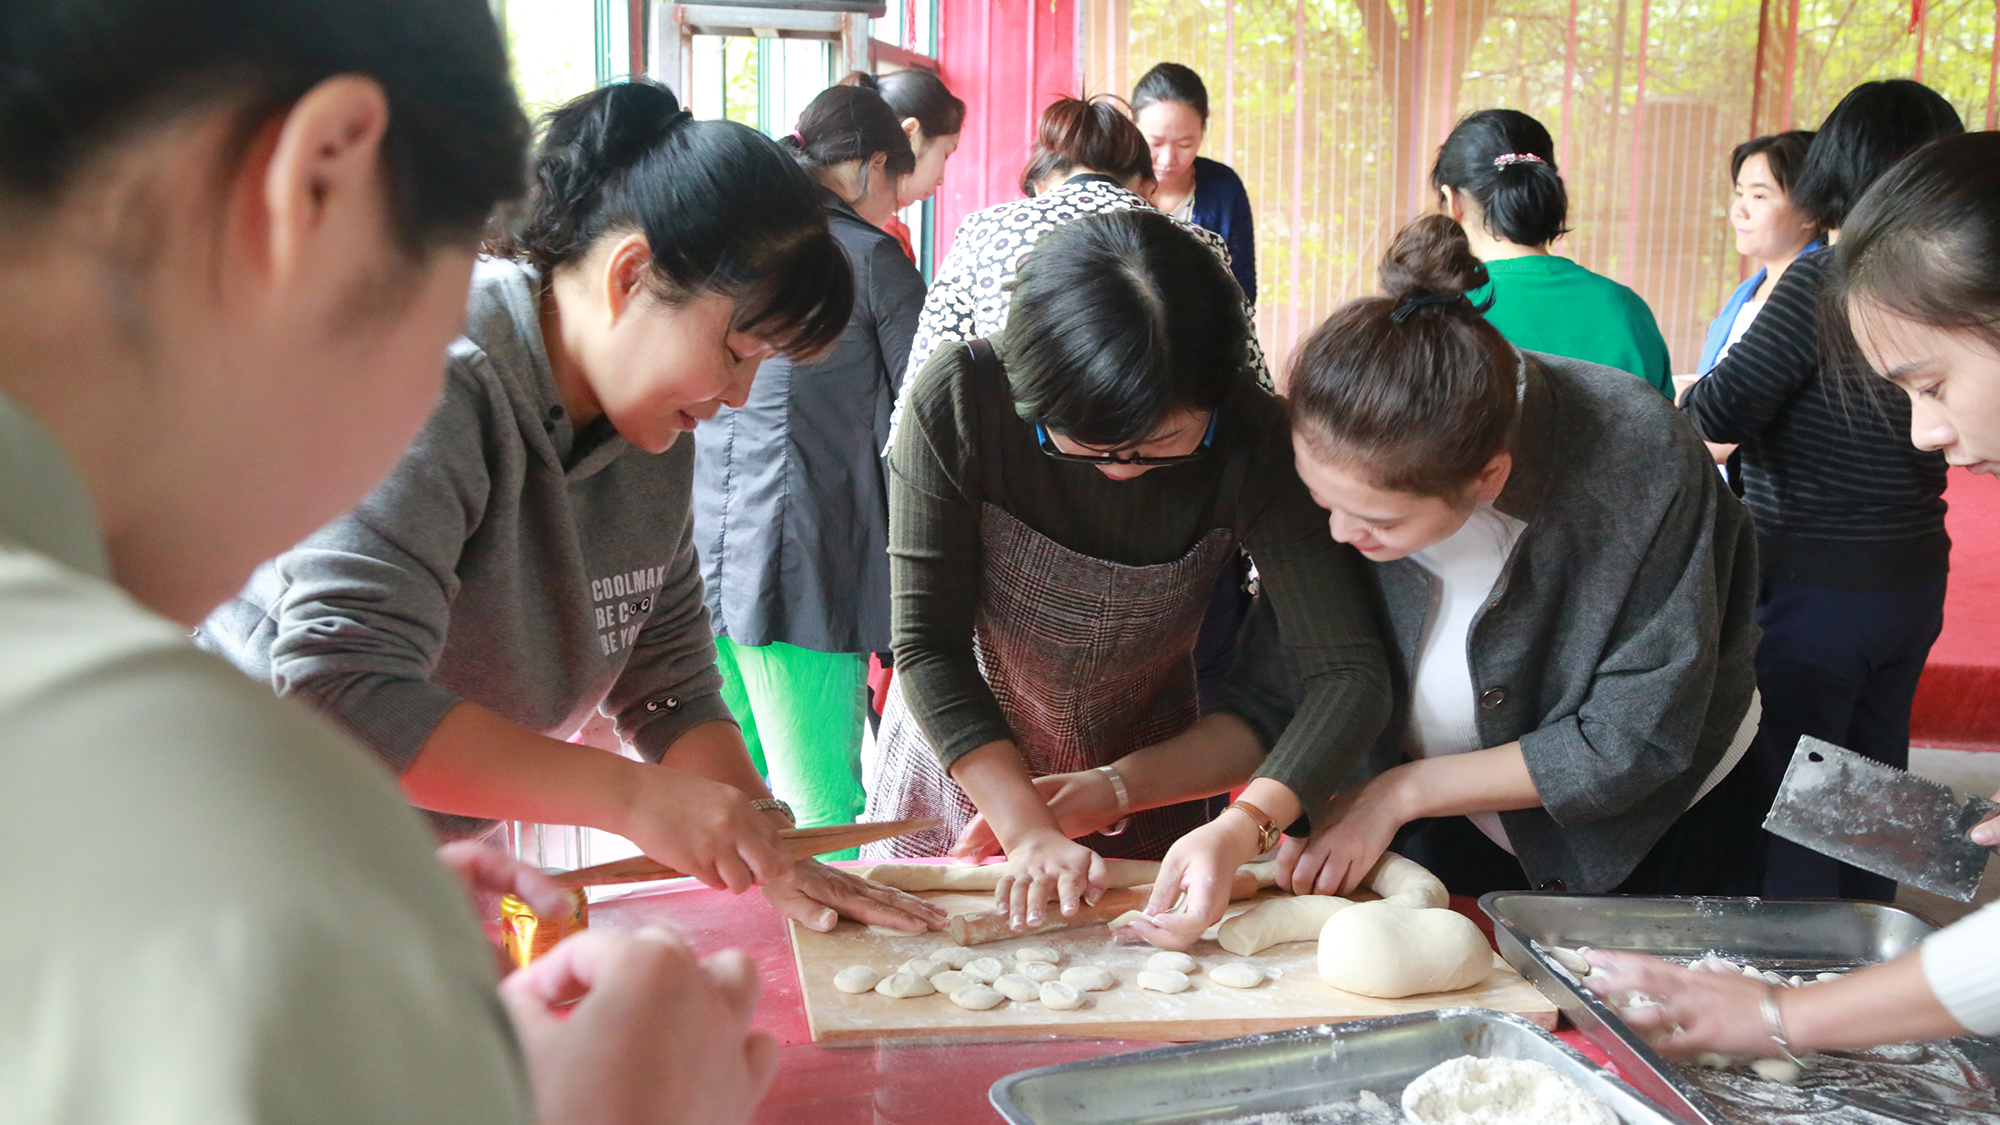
(530, 562)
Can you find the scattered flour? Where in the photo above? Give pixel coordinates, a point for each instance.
(1469, 1090)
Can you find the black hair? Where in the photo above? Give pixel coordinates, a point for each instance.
(1118, 320)
(1506, 161)
(1875, 125)
(1097, 134)
(850, 121)
(1171, 82)
(723, 209)
(1415, 389)
(918, 92)
(78, 77)
(1924, 243)
(1784, 152)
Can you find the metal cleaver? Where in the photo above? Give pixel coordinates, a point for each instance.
(1880, 819)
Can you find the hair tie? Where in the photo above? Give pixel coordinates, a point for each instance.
(1424, 300)
(1509, 158)
(798, 138)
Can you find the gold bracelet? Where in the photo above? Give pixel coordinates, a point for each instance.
(1268, 830)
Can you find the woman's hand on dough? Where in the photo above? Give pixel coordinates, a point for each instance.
(1082, 802)
(818, 896)
(1697, 1011)
(1347, 840)
(1202, 865)
(705, 829)
(1047, 865)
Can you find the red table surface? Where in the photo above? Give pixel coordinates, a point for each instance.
(907, 1082)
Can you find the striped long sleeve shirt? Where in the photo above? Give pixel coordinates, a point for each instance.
(1840, 496)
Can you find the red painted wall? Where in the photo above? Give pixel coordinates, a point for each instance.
(1007, 59)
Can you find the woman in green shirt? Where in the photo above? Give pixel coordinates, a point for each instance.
(1496, 175)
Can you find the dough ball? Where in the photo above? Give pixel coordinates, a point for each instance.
(1237, 974)
(957, 956)
(1782, 1071)
(1468, 1090)
(985, 970)
(1570, 959)
(924, 967)
(1388, 950)
(1163, 980)
(1824, 977)
(1713, 1060)
(950, 980)
(1062, 997)
(856, 979)
(1038, 953)
(1127, 918)
(903, 986)
(975, 996)
(1089, 978)
(1037, 971)
(1176, 962)
(1017, 987)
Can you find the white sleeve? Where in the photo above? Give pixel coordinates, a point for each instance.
(1962, 964)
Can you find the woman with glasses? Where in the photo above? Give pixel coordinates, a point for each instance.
(1062, 497)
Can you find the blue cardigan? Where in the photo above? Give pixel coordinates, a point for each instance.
(1718, 330)
(1221, 205)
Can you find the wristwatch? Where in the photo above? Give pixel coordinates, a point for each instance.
(772, 804)
(1268, 830)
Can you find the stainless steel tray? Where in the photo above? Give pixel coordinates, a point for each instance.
(1790, 936)
(1293, 1071)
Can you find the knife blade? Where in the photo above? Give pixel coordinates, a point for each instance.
(1880, 819)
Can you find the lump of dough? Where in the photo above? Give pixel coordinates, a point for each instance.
(1017, 987)
(975, 996)
(1037, 971)
(1062, 997)
(924, 967)
(985, 970)
(1127, 918)
(1163, 980)
(957, 956)
(1237, 974)
(903, 986)
(1471, 1089)
(1388, 950)
(1408, 882)
(1570, 959)
(1714, 1060)
(856, 979)
(950, 979)
(1041, 953)
(1176, 962)
(1089, 978)
(1278, 920)
(1782, 1071)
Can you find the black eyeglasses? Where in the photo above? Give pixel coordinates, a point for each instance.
(1048, 445)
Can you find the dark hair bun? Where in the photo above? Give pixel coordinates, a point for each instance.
(1097, 134)
(1431, 255)
(862, 79)
(1505, 160)
(587, 143)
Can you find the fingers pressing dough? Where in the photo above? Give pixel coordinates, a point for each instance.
(971, 878)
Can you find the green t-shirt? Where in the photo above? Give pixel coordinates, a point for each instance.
(1544, 303)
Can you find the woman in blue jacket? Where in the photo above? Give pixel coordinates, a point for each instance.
(1172, 108)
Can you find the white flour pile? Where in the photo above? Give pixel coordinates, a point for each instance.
(1473, 1091)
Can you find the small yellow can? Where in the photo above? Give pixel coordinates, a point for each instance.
(529, 935)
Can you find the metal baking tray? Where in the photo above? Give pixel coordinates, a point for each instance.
(1788, 936)
(1231, 1080)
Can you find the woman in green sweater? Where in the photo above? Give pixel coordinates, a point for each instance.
(1496, 175)
(1061, 501)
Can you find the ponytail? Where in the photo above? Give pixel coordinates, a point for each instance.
(723, 211)
(918, 92)
(1097, 134)
(1506, 161)
(850, 121)
(1414, 388)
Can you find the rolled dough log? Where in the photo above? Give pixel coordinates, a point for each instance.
(1037, 971)
(951, 980)
(1278, 920)
(973, 878)
(985, 970)
(1388, 950)
(977, 997)
(1040, 953)
(1089, 978)
(1163, 980)
(1017, 987)
(1062, 997)
(903, 986)
(1175, 962)
(856, 979)
(1407, 881)
(1237, 974)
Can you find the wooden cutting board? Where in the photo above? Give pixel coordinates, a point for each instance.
(1293, 997)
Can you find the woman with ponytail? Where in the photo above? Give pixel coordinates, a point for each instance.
(932, 117)
(1569, 584)
(530, 562)
(791, 505)
(1496, 176)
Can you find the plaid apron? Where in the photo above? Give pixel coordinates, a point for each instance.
(1088, 659)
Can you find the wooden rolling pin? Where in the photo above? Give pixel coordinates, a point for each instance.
(798, 843)
(981, 926)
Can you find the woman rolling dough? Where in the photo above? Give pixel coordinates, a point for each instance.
(1569, 585)
(529, 562)
(1060, 503)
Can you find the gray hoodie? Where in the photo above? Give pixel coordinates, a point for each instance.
(508, 560)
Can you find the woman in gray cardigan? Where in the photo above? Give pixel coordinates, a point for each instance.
(1569, 586)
